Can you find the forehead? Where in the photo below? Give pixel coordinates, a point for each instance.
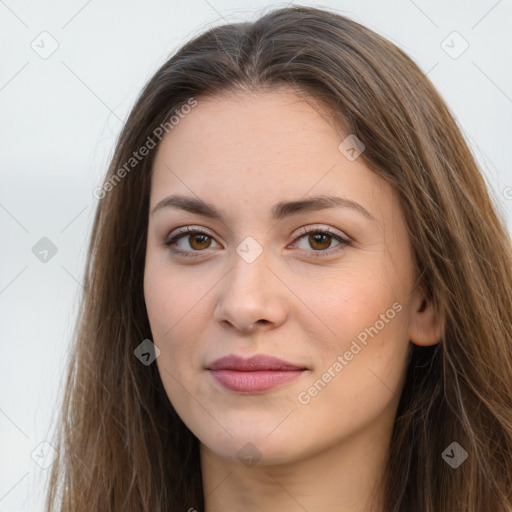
(254, 125)
(264, 145)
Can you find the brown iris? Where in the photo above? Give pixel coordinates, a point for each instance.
(200, 241)
(319, 241)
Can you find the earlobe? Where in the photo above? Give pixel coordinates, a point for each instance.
(426, 326)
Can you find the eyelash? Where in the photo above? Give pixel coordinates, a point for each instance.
(343, 242)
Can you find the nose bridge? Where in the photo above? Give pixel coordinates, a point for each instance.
(250, 293)
(249, 274)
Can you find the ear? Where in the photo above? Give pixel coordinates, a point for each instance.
(426, 325)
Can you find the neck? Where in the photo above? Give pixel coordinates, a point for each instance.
(346, 477)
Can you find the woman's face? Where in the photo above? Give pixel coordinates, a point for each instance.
(271, 267)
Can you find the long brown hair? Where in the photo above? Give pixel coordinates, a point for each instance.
(121, 445)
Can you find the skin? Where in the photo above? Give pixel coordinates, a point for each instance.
(243, 153)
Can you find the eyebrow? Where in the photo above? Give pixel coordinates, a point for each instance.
(279, 210)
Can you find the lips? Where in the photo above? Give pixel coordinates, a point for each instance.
(252, 364)
(256, 374)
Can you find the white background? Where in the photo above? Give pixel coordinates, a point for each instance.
(60, 117)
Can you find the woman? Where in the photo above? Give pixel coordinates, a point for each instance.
(298, 290)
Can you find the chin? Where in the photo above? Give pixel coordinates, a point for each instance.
(251, 450)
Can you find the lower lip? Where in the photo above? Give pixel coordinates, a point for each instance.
(254, 382)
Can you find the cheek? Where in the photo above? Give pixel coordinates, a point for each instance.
(173, 305)
(173, 299)
(351, 301)
(363, 358)
(170, 305)
(360, 377)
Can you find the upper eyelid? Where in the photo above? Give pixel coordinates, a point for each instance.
(188, 230)
(312, 228)
(185, 231)
(303, 230)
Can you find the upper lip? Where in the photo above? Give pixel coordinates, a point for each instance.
(252, 364)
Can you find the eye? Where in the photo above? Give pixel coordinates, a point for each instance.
(320, 241)
(187, 240)
(191, 241)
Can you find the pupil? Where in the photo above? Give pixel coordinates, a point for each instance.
(200, 240)
(321, 239)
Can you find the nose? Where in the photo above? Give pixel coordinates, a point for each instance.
(251, 297)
